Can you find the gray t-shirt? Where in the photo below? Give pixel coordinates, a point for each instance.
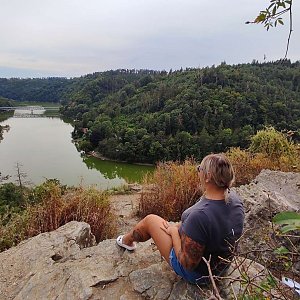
(217, 225)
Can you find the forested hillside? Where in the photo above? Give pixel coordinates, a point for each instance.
(36, 89)
(146, 116)
(168, 116)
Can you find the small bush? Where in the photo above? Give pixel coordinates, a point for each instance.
(10, 197)
(174, 188)
(272, 143)
(12, 229)
(269, 149)
(247, 166)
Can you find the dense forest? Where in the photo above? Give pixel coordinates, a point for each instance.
(146, 116)
(35, 89)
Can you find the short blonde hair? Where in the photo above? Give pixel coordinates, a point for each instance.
(220, 169)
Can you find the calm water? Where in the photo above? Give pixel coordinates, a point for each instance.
(44, 149)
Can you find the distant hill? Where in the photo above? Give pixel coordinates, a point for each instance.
(36, 89)
(146, 116)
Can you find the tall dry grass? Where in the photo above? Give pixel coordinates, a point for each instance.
(248, 165)
(171, 189)
(90, 206)
(57, 207)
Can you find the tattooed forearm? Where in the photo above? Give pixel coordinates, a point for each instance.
(191, 252)
(182, 259)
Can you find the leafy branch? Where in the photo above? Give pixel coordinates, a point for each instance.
(272, 16)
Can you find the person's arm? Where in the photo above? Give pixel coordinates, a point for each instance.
(189, 253)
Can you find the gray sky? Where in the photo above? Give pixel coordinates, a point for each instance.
(75, 37)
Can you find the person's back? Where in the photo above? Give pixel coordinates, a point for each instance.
(216, 224)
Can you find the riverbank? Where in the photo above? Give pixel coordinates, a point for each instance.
(100, 156)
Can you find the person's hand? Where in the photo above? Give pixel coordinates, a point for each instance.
(168, 228)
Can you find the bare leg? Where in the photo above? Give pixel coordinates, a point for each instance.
(150, 227)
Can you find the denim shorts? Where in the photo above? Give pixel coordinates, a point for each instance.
(190, 276)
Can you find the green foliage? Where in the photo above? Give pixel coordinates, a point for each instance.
(38, 89)
(10, 198)
(289, 219)
(6, 102)
(47, 189)
(269, 149)
(281, 250)
(272, 143)
(12, 229)
(150, 116)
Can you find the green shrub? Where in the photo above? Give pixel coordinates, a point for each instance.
(46, 190)
(12, 229)
(272, 143)
(10, 194)
(269, 149)
(11, 199)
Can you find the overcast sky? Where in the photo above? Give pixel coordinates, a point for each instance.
(74, 37)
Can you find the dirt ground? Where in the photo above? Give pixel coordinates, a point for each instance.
(125, 207)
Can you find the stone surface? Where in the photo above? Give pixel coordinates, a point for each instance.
(269, 193)
(103, 271)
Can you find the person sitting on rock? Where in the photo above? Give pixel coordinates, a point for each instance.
(209, 229)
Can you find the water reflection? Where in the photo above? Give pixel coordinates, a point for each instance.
(111, 170)
(44, 148)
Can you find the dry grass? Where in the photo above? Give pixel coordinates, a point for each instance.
(174, 188)
(248, 165)
(90, 206)
(56, 208)
(269, 149)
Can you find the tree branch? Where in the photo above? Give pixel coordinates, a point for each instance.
(290, 32)
(211, 277)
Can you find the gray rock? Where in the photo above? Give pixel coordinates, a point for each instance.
(153, 282)
(269, 193)
(184, 291)
(20, 264)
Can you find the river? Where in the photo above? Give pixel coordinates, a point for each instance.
(43, 148)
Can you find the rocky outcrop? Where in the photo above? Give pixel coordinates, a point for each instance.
(67, 263)
(269, 193)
